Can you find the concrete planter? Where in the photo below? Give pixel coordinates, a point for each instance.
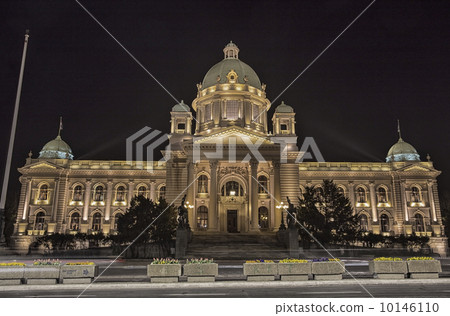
(388, 269)
(327, 270)
(11, 275)
(260, 271)
(201, 272)
(71, 274)
(164, 273)
(42, 274)
(424, 269)
(295, 271)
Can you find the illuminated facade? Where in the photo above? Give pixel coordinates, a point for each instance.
(235, 171)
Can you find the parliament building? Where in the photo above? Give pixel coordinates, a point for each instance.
(235, 168)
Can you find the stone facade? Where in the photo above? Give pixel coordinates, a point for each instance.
(235, 172)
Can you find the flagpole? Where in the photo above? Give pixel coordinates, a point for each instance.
(12, 136)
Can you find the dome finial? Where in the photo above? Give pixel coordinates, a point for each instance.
(231, 51)
(398, 130)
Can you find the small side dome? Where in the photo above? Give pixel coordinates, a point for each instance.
(181, 107)
(56, 149)
(284, 108)
(402, 151)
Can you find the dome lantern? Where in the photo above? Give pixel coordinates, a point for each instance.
(231, 51)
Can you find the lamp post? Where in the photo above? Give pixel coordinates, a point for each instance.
(282, 207)
(188, 207)
(11, 139)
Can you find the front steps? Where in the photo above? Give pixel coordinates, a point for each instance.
(241, 246)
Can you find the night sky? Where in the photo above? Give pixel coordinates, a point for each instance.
(393, 63)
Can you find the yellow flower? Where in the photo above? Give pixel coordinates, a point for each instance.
(293, 261)
(387, 259)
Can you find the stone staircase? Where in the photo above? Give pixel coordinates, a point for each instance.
(244, 246)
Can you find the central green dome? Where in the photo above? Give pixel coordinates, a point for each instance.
(218, 73)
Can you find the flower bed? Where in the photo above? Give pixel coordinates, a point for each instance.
(260, 270)
(388, 268)
(164, 270)
(43, 272)
(200, 270)
(327, 269)
(78, 272)
(294, 269)
(423, 268)
(11, 273)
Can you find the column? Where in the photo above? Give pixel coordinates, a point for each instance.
(373, 201)
(254, 194)
(27, 199)
(351, 196)
(109, 189)
(431, 200)
(55, 200)
(405, 200)
(277, 191)
(153, 191)
(87, 199)
(212, 216)
(130, 192)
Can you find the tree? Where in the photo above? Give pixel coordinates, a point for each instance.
(327, 214)
(146, 221)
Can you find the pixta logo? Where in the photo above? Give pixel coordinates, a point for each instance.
(146, 141)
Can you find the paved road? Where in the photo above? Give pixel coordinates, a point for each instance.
(301, 291)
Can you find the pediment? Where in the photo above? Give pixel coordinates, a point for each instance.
(233, 135)
(416, 168)
(42, 165)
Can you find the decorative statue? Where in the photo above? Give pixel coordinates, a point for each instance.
(292, 212)
(182, 215)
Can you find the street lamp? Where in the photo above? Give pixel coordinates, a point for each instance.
(282, 207)
(188, 207)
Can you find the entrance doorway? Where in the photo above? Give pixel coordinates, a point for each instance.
(232, 221)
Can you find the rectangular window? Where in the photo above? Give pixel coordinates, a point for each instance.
(283, 127)
(181, 126)
(256, 116)
(232, 110)
(207, 112)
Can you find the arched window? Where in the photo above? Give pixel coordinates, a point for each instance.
(162, 192)
(361, 195)
(232, 188)
(262, 184)
(202, 217)
(384, 223)
(120, 193)
(142, 191)
(75, 221)
(418, 223)
(116, 219)
(43, 193)
(40, 221)
(340, 191)
(363, 223)
(97, 222)
(263, 217)
(77, 193)
(382, 195)
(415, 194)
(98, 193)
(202, 184)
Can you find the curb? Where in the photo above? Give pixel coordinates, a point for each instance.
(220, 284)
